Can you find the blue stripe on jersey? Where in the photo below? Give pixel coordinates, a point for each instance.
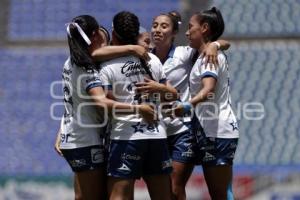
(209, 74)
(164, 80)
(93, 85)
(107, 87)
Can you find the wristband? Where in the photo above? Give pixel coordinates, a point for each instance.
(187, 107)
(218, 44)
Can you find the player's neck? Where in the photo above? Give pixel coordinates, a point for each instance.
(202, 47)
(162, 52)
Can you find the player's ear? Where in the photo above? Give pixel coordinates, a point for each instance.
(204, 27)
(114, 36)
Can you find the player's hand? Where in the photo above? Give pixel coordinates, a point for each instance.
(210, 53)
(177, 111)
(57, 145)
(148, 86)
(141, 52)
(148, 113)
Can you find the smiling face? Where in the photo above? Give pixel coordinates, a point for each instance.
(162, 31)
(196, 32)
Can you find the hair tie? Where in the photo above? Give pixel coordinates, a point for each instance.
(81, 32)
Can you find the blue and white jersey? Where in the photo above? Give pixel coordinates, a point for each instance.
(120, 75)
(177, 68)
(82, 122)
(215, 114)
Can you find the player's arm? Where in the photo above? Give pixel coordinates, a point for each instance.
(110, 52)
(211, 51)
(57, 143)
(209, 84)
(207, 91)
(99, 97)
(166, 91)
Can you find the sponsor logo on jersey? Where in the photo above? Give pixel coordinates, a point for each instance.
(78, 163)
(131, 68)
(125, 156)
(97, 156)
(208, 157)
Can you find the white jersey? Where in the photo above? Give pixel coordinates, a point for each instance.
(215, 114)
(177, 68)
(81, 123)
(120, 75)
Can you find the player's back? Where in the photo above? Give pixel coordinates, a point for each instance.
(120, 76)
(81, 123)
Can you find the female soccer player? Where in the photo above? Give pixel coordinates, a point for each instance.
(177, 63)
(84, 118)
(138, 148)
(214, 122)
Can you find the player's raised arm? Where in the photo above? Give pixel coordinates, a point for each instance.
(109, 52)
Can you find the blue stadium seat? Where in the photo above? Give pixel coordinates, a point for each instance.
(47, 18)
(260, 18)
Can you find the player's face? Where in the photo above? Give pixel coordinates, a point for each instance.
(144, 40)
(99, 39)
(194, 32)
(161, 31)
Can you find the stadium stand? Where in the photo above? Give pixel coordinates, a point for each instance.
(47, 18)
(260, 18)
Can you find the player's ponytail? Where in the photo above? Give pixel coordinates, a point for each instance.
(79, 32)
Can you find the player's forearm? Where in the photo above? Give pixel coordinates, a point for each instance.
(203, 95)
(114, 106)
(110, 52)
(168, 93)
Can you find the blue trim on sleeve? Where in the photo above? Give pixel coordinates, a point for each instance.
(107, 87)
(93, 85)
(209, 74)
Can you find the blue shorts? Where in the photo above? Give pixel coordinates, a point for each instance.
(183, 147)
(213, 151)
(138, 158)
(85, 158)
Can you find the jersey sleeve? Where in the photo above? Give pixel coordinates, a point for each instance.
(106, 78)
(90, 79)
(212, 70)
